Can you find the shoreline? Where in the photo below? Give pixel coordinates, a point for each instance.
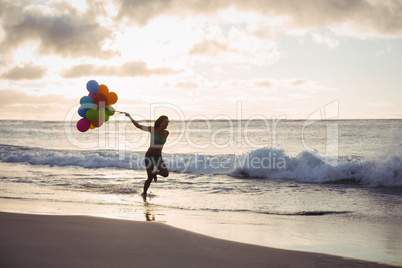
(73, 241)
(342, 236)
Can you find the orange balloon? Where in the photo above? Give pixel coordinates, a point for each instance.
(111, 98)
(103, 89)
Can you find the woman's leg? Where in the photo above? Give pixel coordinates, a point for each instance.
(163, 171)
(150, 176)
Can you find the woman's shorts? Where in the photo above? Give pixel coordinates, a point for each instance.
(152, 160)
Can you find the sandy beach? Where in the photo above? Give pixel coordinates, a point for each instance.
(83, 241)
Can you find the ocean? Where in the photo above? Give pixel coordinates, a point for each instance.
(331, 186)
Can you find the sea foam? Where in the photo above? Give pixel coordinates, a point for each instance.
(265, 163)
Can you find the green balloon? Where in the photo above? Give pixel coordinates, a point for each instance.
(110, 111)
(92, 114)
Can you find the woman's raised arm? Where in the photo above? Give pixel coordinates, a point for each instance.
(145, 128)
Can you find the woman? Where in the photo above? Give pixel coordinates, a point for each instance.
(153, 157)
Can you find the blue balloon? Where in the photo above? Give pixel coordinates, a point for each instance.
(93, 87)
(87, 102)
(82, 111)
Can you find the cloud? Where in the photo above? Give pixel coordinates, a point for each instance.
(142, 10)
(269, 84)
(59, 29)
(304, 85)
(12, 98)
(17, 104)
(235, 46)
(264, 83)
(188, 85)
(28, 71)
(361, 17)
(364, 17)
(129, 69)
(259, 95)
(325, 40)
(273, 91)
(210, 47)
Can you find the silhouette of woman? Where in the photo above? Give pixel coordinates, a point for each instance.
(153, 157)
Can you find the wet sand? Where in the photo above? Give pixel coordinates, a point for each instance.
(82, 241)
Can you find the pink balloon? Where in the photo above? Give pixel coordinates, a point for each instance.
(83, 124)
(92, 96)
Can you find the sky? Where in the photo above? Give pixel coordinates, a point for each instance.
(196, 59)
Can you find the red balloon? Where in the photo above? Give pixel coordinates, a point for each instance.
(100, 100)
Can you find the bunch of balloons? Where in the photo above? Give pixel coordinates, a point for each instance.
(96, 107)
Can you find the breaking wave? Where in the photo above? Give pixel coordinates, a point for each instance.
(263, 163)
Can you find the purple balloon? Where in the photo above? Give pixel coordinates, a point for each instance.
(83, 124)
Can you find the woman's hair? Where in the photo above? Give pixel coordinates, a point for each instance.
(159, 121)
